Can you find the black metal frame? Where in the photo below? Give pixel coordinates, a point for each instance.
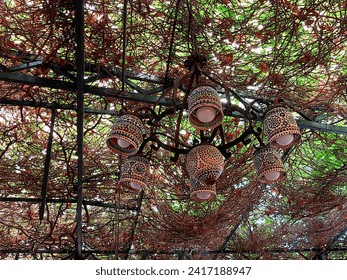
(182, 254)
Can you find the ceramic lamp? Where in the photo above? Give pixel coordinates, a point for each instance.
(205, 163)
(126, 135)
(268, 164)
(281, 128)
(205, 108)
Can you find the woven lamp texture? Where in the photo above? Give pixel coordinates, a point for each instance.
(205, 163)
(128, 128)
(266, 160)
(204, 96)
(196, 187)
(135, 169)
(279, 122)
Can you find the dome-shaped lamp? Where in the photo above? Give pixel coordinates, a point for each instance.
(205, 108)
(200, 192)
(126, 135)
(135, 173)
(281, 128)
(205, 163)
(268, 164)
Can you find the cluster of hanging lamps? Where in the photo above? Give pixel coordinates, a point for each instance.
(125, 138)
(204, 162)
(282, 132)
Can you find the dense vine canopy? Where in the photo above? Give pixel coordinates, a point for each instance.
(293, 50)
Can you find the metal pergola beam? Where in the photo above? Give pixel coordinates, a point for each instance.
(230, 235)
(25, 66)
(80, 62)
(65, 200)
(305, 124)
(32, 61)
(130, 96)
(337, 237)
(98, 91)
(174, 252)
(47, 164)
(322, 127)
(36, 81)
(47, 105)
(136, 219)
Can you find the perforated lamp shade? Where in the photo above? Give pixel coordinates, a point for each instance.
(205, 163)
(281, 128)
(268, 164)
(126, 135)
(204, 108)
(200, 192)
(135, 173)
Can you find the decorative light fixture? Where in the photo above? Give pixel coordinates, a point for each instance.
(126, 135)
(268, 164)
(135, 173)
(200, 192)
(281, 128)
(205, 164)
(205, 155)
(205, 108)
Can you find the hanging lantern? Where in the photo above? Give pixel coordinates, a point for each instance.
(135, 173)
(205, 163)
(205, 108)
(126, 135)
(200, 192)
(281, 128)
(268, 164)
